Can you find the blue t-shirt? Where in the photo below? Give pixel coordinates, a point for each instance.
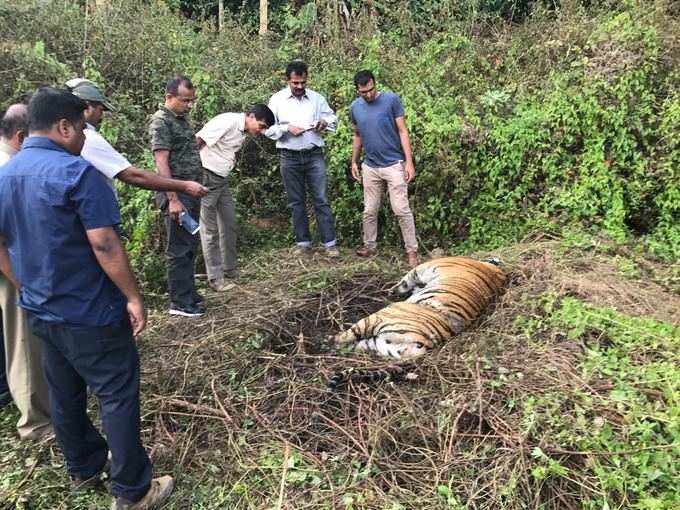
(48, 199)
(378, 128)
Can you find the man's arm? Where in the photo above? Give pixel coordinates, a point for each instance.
(162, 158)
(356, 152)
(112, 258)
(6, 266)
(328, 121)
(406, 147)
(149, 180)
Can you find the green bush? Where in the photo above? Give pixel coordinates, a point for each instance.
(570, 117)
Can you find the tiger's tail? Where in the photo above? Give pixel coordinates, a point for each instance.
(371, 375)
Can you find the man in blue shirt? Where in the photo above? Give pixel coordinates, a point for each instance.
(57, 219)
(380, 129)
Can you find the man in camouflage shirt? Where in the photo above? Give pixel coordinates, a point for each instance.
(176, 154)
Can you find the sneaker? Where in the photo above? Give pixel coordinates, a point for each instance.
(198, 299)
(412, 258)
(160, 490)
(301, 250)
(186, 311)
(219, 285)
(332, 251)
(365, 251)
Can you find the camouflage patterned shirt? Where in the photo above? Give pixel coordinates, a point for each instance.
(173, 132)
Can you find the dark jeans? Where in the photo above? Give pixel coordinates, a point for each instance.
(106, 360)
(301, 170)
(4, 388)
(180, 253)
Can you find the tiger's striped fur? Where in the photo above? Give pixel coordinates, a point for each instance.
(432, 272)
(400, 330)
(450, 293)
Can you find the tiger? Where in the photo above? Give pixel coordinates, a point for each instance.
(400, 330)
(486, 273)
(449, 294)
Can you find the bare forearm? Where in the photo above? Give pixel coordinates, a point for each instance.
(112, 258)
(406, 145)
(162, 159)
(356, 148)
(148, 180)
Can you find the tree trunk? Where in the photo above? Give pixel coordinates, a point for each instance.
(263, 16)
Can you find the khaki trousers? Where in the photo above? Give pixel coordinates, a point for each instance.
(374, 180)
(24, 369)
(218, 226)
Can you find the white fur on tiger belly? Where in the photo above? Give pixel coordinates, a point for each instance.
(448, 294)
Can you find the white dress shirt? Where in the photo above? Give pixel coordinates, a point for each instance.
(302, 112)
(223, 136)
(101, 155)
(7, 152)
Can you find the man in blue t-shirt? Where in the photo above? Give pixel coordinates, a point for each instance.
(380, 129)
(57, 219)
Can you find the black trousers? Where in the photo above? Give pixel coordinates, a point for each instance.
(105, 359)
(180, 253)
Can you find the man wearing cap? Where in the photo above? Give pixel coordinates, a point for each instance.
(108, 160)
(20, 359)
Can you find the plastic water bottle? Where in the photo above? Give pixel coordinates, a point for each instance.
(189, 224)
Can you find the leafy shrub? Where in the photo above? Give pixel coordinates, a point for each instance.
(571, 117)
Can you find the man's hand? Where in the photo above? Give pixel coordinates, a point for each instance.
(409, 172)
(295, 130)
(175, 208)
(356, 173)
(137, 313)
(200, 142)
(195, 189)
(321, 125)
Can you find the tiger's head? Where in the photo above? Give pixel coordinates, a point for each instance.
(416, 278)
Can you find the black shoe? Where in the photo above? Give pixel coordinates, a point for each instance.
(187, 311)
(198, 298)
(5, 398)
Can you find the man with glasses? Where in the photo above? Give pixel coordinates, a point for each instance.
(219, 140)
(173, 142)
(301, 116)
(380, 129)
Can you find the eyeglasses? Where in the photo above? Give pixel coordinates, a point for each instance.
(365, 92)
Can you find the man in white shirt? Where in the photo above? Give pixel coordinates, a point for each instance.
(108, 160)
(219, 140)
(301, 116)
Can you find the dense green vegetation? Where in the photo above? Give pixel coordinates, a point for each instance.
(525, 116)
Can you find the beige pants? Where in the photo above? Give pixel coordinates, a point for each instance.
(218, 226)
(374, 180)
(24, 369)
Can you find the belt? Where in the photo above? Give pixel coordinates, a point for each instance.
(302, 151)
